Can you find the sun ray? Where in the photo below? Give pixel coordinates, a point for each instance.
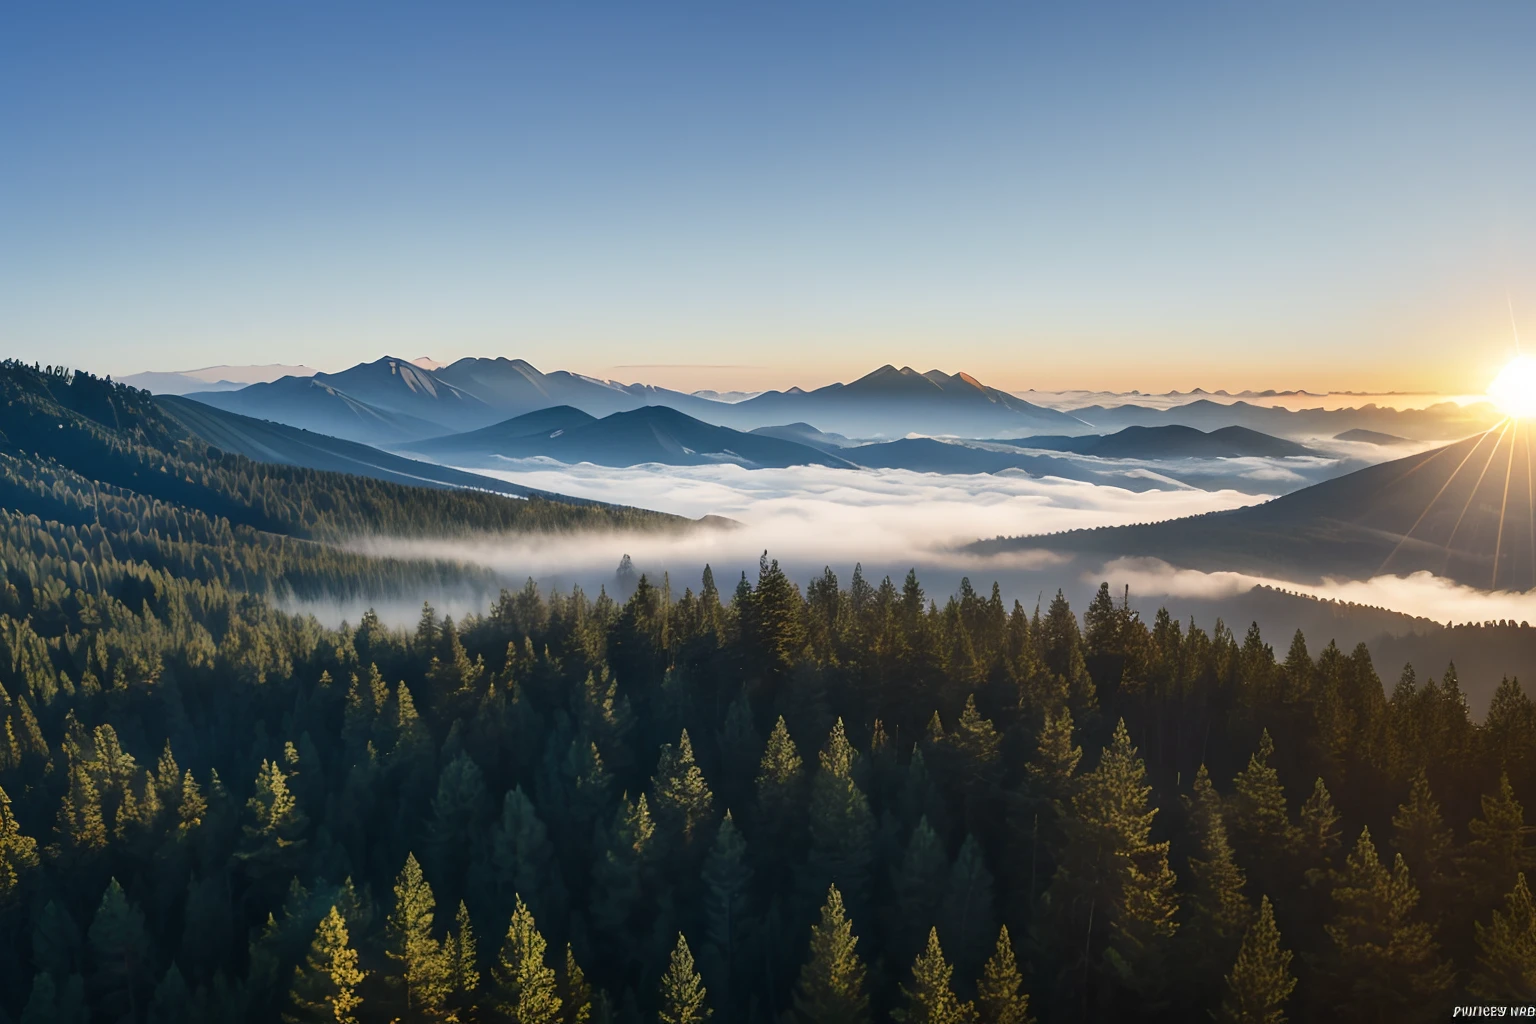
(1431, 503)
(1498, 542)
(1471, 495)
(1530, 504)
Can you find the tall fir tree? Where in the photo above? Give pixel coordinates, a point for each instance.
(929, 998)
(780, 792)
(1113, 893)
(841, 826)
(462, 963)
(1385, 964)
(120, 955)
(1216, 912)
(1262, 832)
(18, 853)
(727, 879)
(1000, 995)
(424, 969)
(1419, 831)
(830, 989)
(576, 998)
(682, 801)
(967, 920)
(324, 987)
(526, 989)
(1260, 982)
(1500, 847)
(684, 999)
(1506, 958)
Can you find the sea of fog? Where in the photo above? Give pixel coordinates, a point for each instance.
(889, 521)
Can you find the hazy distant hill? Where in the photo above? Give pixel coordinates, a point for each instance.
(211, 378)
(1444, 421)
(804, 433)
(891, 402)
(1457, 511)
(1372, 437)
(313, 404)
(1171, 442)
(172, 383)
(514, 386)
(266, 441)
(650, 434)
(385, 401)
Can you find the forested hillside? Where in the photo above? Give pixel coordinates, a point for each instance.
(847, 803)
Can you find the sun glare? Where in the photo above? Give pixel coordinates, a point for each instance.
(1514, 389)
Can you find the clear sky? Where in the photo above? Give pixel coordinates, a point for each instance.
(1139, 195)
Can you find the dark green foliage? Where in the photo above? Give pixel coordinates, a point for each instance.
(1506, 959)
(1384, 964)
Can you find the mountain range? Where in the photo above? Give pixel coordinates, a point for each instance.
(1172, 441)
(656, 434)
(1464, 511)
(392, 401)
(1442, 421)
(211, 378)
(650, 434)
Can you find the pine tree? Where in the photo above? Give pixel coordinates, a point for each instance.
(1506, 960)
(273, 834)
(172, 1002)
(683, 998)
(841, 825)
(56, 942)
(18, 852)
(1217, 911)
(1054, 764)
(457, 825)
(1260, 981)
(1386, 964)
(119, 946)
(462, 962)
(1500, 848)
(51, 1003)
(424, 970)
(966, 919)
(1112, 872)
(1000, 995)
(82, 828)
(727, 883)
(780, 791)
(519, 858)
(930, 999)
(324, 987)
(1419, 831)
(1318, 829)
(683, 803)
(526, 989)
(917, 886)
(1261, 825)
(575, 992)
(831, 985)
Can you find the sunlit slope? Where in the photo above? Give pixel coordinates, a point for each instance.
(1463, 511)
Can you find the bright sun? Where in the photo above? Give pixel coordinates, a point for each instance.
(1514, 389)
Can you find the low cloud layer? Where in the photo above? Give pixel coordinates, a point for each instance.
(890, 521)
(807, 518)
(1421, 594)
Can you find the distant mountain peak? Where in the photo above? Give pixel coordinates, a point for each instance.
(428, 363)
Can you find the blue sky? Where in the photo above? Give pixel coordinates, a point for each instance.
(1137, 195)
